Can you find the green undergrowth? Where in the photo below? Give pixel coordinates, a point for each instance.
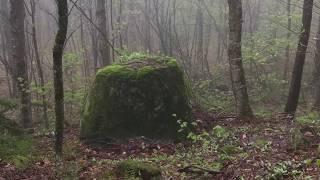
(15, 145)
(208, 150)
(132, 169)
(16, 150)
(8, 126)
(212, 150)
(213, 95)
(311, 119)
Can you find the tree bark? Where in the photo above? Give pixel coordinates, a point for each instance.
(94, 43)
(119, 21)
(199, 41)
(6, 47)
(58, 72)
(295, 86)
(38, 62)
(104, 48)
(235, 59)
(316, 72)
(147, 12)
(17, 17)
(286, 64)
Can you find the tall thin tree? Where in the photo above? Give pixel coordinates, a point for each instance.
(295, 85)
(17, 17)
(235, 59)
(287, 60)
(316, 71)
(6, 48)
(38, 61)
(58, 72)
(104, 47)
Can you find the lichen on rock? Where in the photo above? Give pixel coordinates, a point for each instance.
(136, 98)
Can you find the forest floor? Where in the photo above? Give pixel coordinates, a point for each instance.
(236, 149)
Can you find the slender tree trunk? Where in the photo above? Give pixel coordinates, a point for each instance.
(6, 47)
(94, 44)
(94, 50)
(316, 72)
(207, 47)
(112, 27)
(119, 21)
(199, 38)
(38, 62)
(295, 86)
(287, 60)
(58, 72)
(86, 63)
(235, 59)
(147, 12)
(17, 17)
(104, 48)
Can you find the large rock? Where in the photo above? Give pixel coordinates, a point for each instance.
(137, 98)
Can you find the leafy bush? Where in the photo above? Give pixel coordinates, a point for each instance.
(6, 105)
(8, 126)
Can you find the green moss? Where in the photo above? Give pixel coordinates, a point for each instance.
(110, 69)
(134, 56)
(116, 70)
(136, 98)
(131, 169)
(172, 63)
(144, 71)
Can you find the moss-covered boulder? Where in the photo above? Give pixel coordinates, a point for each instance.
(131, 169)
(143, 97)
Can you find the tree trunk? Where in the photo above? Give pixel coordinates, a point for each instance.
(38, 62)
(287, 60)
(86, 62)
(6, 47)
(112, 28)
(295, 86)
(199, 38)
(235, 59)
(316, 72)
(104, 48)
(17, 17)
(58, 72)
(119, 21)
(148, 39)
(94, 43)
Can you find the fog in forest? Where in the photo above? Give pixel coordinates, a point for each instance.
(198, 88)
